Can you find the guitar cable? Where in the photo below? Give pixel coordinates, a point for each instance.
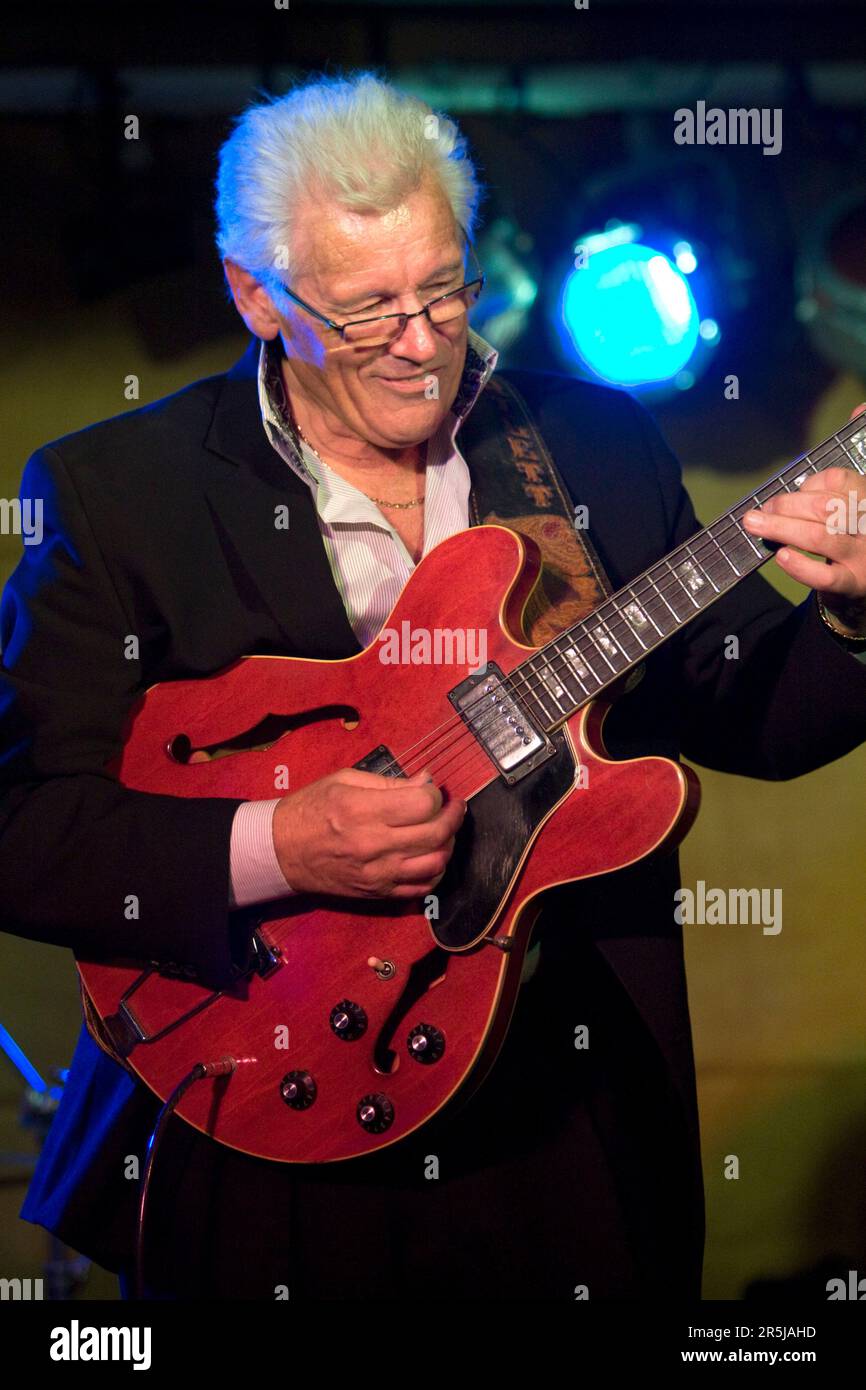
(225, 1067)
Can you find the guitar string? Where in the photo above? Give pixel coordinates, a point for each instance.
(522, 685)
(517, 683)
(708, 542)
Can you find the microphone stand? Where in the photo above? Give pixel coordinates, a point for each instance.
(64, 1271)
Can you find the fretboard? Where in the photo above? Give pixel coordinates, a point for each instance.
(582, 662)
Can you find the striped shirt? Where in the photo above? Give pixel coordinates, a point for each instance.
(368, 560)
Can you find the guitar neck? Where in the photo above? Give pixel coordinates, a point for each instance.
(589, 657)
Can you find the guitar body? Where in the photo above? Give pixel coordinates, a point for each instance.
(350, 1057)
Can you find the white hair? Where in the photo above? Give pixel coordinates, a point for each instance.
(356, 139)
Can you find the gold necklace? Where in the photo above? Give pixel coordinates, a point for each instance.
(398, 506)
(380, 501)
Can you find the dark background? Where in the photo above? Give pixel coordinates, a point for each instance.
(558, 103)
(110, 271)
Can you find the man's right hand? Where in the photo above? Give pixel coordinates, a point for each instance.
(359, 835)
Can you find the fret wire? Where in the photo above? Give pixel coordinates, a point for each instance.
(800, 469)
(859, 469)
(739, 522)
(654, 589)
(607, 626)
(533, 704)
(579, 679)
(626, 637)
(574, 692)
(631, 631)
(664, 608)
(582, 637)
(644, 608)
(577, 643)
(567, 667)
(536, 692)
(568, 661)
(616, 640)
(548, 691)
(726, 558)
(726, 577)
(602, 651)
(660, 592)
(602, 624)
(607, 623)
(681, 585)
(696, 561)
(763, 488)
(552, 693)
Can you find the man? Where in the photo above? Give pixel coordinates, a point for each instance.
(570, 1169)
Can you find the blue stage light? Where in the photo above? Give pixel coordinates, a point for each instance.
(685, 258)
(629, 313)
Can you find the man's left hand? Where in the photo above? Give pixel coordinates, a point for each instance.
(826, 516)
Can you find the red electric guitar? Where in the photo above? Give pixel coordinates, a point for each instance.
(347, 1056)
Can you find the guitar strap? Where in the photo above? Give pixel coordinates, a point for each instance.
(515, 483)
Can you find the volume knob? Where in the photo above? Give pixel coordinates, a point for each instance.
(426, 1043)
(298, 1089)
(375, 1113)
(348, 1020)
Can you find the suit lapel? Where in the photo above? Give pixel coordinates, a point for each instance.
(246, 481)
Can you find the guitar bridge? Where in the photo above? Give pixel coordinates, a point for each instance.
(500, 724)
(381, 760)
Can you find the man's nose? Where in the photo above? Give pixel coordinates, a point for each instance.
(417, 341)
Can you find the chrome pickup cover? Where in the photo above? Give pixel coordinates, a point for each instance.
(500, 723)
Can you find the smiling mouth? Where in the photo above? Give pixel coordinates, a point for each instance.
(422, 376)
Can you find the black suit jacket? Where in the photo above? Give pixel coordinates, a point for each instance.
(159, 524)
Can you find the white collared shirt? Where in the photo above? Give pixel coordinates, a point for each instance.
(368, 560)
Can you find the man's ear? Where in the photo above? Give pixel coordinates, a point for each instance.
(252, 301)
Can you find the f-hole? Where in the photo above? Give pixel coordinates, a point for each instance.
(263, 734)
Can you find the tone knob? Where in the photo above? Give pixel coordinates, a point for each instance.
(375, 1113)
(426, 1044)
(348, 1020)
(298, 1089)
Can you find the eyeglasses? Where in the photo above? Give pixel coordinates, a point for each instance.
(385, 328)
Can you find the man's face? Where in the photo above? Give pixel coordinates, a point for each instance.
(358, 265)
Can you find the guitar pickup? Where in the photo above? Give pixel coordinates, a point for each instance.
(500, 724)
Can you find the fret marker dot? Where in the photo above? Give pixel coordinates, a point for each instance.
(635, 614)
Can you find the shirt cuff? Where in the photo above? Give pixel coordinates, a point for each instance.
(256, 876)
